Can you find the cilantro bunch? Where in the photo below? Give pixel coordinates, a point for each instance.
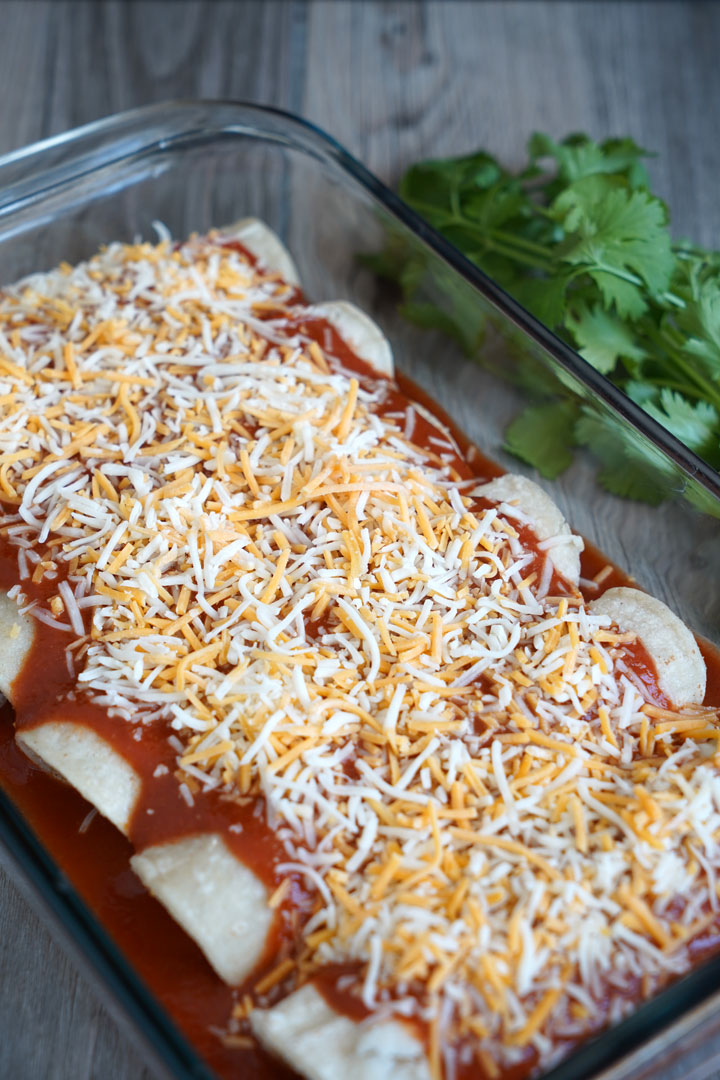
(580, 240)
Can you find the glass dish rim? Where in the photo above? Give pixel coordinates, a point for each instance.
(154, 131)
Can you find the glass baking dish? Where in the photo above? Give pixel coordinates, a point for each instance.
(194, 165)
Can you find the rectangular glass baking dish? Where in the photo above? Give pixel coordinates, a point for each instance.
(194, 165)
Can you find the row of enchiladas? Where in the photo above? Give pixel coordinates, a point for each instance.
(472, 767)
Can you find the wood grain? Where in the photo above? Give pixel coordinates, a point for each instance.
(393, 81)
(442, 78)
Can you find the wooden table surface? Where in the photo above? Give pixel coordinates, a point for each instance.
(393, 82)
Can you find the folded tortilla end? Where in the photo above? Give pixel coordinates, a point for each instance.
(89, 763)
(323, 1044)
(266, 246)
(216, 899)
(545, 518)
(670, 644)
(360, 332)
(16, 635)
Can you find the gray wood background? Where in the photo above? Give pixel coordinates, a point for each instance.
(393, 81)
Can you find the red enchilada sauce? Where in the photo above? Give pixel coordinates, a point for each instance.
(97, 861)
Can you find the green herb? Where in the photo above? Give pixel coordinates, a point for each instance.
(578, 237)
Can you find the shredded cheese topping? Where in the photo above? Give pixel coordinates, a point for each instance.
(501, 830)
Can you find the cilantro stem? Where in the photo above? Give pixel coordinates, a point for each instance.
(696, 384)
(520, 241)
(681, 387)
(707, 390)
(674, 301)
(504, 243)
(624, 275)
(519, 256)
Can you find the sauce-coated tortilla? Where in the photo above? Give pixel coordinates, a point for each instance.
(360, 332)
(545, 518)
(88, 763)
(16, 635)
(266, 246)
(216, 899)
(322, 1044)
(674, 651)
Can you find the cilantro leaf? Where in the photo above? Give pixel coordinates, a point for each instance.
(627, 468)
(441, 184)
(542, 436)
(641, 392)
(694, 424)
(577, 156)
(614, 232)
(697, 323)
(624, 297)
(431, 317)
(603, 339)
(544, 296)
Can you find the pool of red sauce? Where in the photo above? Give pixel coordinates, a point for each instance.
(97, 860)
